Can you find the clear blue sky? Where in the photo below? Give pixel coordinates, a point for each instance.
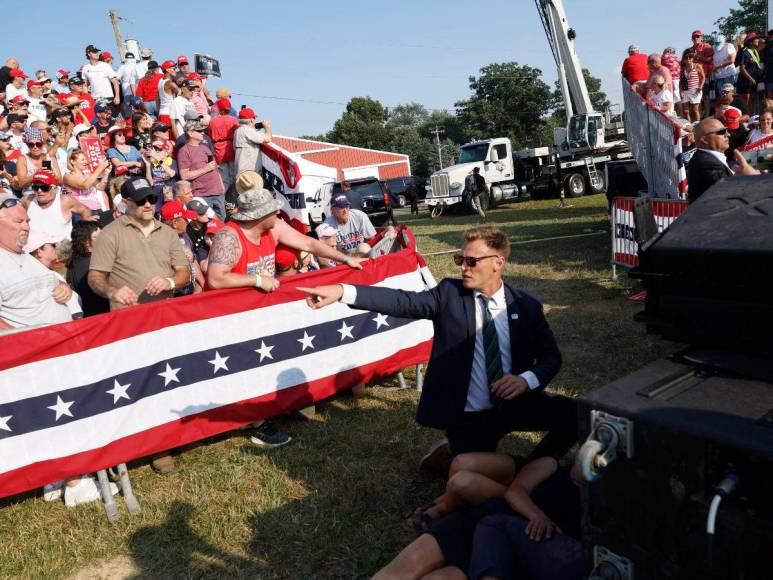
(397, 51)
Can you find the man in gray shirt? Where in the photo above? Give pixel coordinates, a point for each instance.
(353, 226)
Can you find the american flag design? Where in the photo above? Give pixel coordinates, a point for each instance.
(92, 393)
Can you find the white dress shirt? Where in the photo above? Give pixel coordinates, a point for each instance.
(479, 392)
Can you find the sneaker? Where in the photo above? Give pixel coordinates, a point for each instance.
(53, 491)
(269, 436)
(85, 491)
(438, 453)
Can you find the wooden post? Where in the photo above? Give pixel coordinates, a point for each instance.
(118, 38)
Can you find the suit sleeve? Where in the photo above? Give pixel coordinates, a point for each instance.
(400, 303)
(547, 356)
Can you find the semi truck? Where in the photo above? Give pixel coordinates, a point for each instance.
(576, 162)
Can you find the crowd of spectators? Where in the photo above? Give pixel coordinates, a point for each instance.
(176, 207)
(720, 92)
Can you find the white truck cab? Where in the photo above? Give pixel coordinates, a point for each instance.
(494, 158)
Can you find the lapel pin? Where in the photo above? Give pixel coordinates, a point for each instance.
(514, 316)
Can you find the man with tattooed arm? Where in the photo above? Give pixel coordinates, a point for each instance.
(242, 256)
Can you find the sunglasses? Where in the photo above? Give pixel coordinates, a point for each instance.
(32, 144)
(722, 131)
(152, 199)
(10, 203)
(470, 261)
(40, 187)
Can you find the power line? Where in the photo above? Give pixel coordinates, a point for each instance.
(294, 99)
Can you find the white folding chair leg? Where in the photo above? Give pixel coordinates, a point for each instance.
(107, 496)
(401, 380)
(419, 377)
(126, 488)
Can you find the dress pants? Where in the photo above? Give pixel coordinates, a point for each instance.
(531, 411)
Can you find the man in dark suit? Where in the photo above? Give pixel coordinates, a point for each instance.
(493, 352)
(708, 164)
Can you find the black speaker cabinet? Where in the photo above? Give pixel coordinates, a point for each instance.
(683, 428)
(709, 276)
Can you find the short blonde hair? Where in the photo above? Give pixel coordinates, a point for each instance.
(492, 237)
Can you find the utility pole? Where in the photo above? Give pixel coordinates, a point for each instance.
(118, 38)
(438, 131)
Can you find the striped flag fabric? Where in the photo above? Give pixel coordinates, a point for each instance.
(92, 393)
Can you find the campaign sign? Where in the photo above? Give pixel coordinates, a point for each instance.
(207, 65)
(95, 153)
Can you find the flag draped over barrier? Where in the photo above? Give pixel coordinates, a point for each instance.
(88, 394)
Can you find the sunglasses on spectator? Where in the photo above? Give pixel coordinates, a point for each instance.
(152, 199)
(40, 187)
(10, 203)
(722, 131)
(35, 144)
(158, 148)
(470, 261)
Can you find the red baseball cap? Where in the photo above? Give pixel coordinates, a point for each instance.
(214, 225)
(33, 83)
(61, 73)
(167, 64)
(182, 59)
(105, 55)
(247, 113)
(120, 170)
(284, 256)
(194, 76)
(732, 119)
(19, 99)
(17, 73)
(175, 209)
(697, 32)
(44, 176)
(223, 104)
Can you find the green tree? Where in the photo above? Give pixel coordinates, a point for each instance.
(363, 124)
(598, 97)
(508, 100)
(403, 121)
(750, 16)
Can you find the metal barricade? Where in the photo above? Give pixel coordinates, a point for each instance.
(655, 140)
(625, 250)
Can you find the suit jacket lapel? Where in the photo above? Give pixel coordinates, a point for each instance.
(469, 310)
(513, 318)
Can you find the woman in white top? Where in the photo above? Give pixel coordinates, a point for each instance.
(662, 98)
(88, 188)
(764, 130)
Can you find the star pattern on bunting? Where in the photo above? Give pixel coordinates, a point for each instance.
(118, 391)
(345, 331)
(61, 408)
(380, 320)
(4, 423)
(306, 341)
(219, 362)
(169, 375)
(265, 351)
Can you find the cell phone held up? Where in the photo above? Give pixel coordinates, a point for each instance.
(259, 125)
(46, 164)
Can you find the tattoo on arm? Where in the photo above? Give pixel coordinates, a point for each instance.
(98, 282)
(226, 248)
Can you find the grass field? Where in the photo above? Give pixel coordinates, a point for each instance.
(331, 503)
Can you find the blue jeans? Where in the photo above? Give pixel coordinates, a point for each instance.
(151, 107)
(502, 549)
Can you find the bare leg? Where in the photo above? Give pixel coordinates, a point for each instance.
(497, 466)
(696, 112)
(417, 559)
